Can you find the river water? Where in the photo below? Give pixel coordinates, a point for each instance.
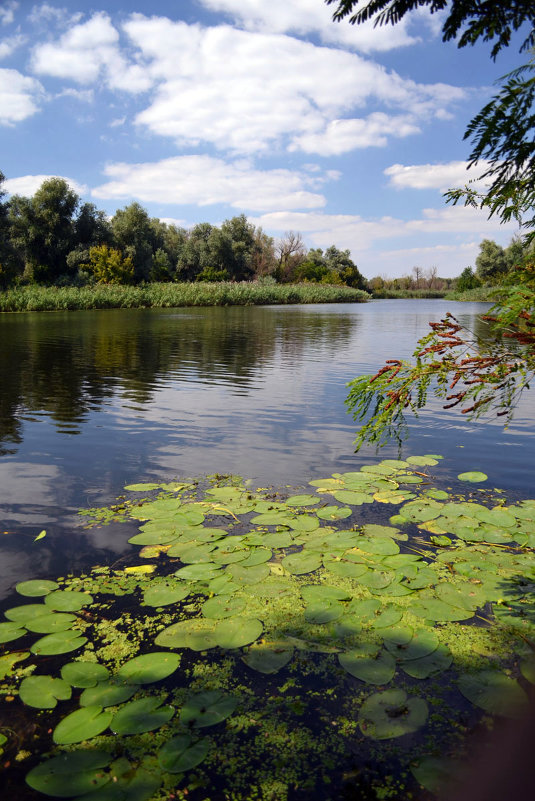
(91, 401)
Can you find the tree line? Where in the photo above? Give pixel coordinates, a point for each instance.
(53, 238)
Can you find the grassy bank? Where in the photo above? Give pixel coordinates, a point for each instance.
(38, 298)
(385, 294)
(481, 293)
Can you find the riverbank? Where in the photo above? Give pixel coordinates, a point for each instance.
(227, 293)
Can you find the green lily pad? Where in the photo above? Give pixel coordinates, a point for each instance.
(165, 593)
(267, 658)
(319, 592)
(221, 606)
(196, 633)
(334, 512)
(433, 774)
(323, 611)
(81, 725)
(48, 624)
(494, 692)
(200, 572)
(148, 668)
(11, 631)
(377, 579)
(179, 754)
(432, 609)
(372, 670)
(146, 714)
(73, 773)
(249, 575)
(429, 665)
(301, 500)
(422, 643)
(237, 632)
(43, 692)
(302, 562)
(353, 498)
(207, 709)
(365, 608)
(36, 587)
(19, 614)
(109, 692)
(465, 596)
(344, 568)
(68, 600)
(84, 674)
(389, 616)
(422, 461)
(62, 642)
(373, 530)
(141, 487)
(473, 476)
(391, 714)
(257, 556)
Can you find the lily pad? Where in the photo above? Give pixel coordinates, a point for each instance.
(84, 674)
(48, 624)
(222, 606)
(165, 593)
(43, 692)
(422, 643)
(432, 609)
(81, 725)
(36, 587)
(429, 665)
(323, 611)
(494, 692)
(267, 658)
(334, 512)
(146, 714)
(196, 633)
(473, 476)
(11, 631)
(319, 592)
(179, 754)
(301, 500)
(109, 692)
(237, 632)
(249, 575)
(391, 714)
(200, 572)
(372, 670)
(302, 562)
(19, 614)
(73, 773)
(68, 600)
(207, 709)
(148, 668)
(60, 643)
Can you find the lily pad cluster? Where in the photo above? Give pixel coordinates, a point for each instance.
(432, 590)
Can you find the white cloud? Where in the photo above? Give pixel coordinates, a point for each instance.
(83, 95)
(341, 136)
(310, 16)
(249, 92)
(174, 221)
(87, 51)
(28, 185)
(434, 176)
(7, 12)
(46, 13)
(203, 180)
(19, 96)
(9, 45)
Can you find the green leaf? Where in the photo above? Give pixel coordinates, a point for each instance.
(334, 512)
(494, 692)
(319, 592)
(372, 670)
(84, 674)
(148, 668)
(301, 563)
(237, 632)
(391, 714)
(429, 665)
(109, 692)
(323, 611)
(197, 634)
(11, 631)
(146, 714)
(302, 500)
(200, 572)
(222, 606)
(48, 624)
(68, 600)
(179, 755)
(60, 643)
(165, 593)
(20, 614)
(422, 643)
(267, 658)
(69, 774)
(473, 476)
(207, 709)
(249, 575)
(43, 692)
(81, 725)
(36, 587)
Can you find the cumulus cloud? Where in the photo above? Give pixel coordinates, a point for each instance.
(10, 44)
(310, 16)
(341, 136)
(204, 180)
(46, 13)
(249, 92)
(88, 51)
(28, 185)
(19, 96)
(7, 12)
(434, 176)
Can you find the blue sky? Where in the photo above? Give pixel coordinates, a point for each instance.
(205, 109)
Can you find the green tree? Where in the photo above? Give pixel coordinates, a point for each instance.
(194, 257)
(8, 261)
(340, 261)
(134, 235)
(491, 262)
(108, 266)
(240, 235)
(467, 280)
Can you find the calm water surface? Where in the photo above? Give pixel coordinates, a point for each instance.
(91, 401)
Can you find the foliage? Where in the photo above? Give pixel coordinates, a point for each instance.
(477, 373)
(342, 637)
(491, 262)
(494, 19)
(108, 266)
(467, 280)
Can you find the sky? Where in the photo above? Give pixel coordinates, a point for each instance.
(201, 110)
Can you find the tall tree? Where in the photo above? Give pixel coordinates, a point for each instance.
(135, 237)
(491, 262)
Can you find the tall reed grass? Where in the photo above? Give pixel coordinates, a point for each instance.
(485, 294)
(382, 294)
(38, 298)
